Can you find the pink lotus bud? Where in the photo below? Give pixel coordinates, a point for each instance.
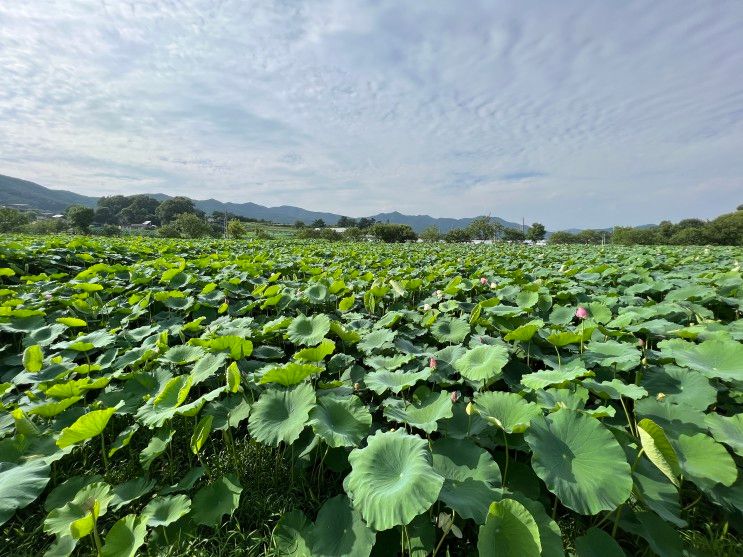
(483, 280)
(640, 343)
(432, 363)
(455, 396)
(581, 313)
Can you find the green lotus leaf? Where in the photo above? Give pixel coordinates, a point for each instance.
(72, 322)
(381, 381)
(339, 531)
(580, 461)
(201, 433)
(509, 529)
(422, 414)
(340, 422)
(292, 534)
(469, 498)
(527, 299)
(548, 377)
(563, 338)
(92, 497)
(51, 409)
(657, 493)
(125, 538)
(281, 414)
(316, 353)
(597, 543)
(482, 363)
(376, 340)
(389, 363)
(215, 500)
(174, 392)
(704, 461)
(562, 315)
(157, 445)
(85, 427)
(33, 359)
(614, 389)
(728, 430)
(392, 480)
(20, 485)
(525, 332)
(66, 491)
(450, 331)
(622, 356)
(716, 359)
(237, 346)
(308, 331)
(228, 412)
(549, 532)
(131, 490)
(348, 336)
(183, 354)
(316, 293)
(508, 411)
(289, 374)
(680, 386)
(165, 510)
(663, 539)
(658, 449)
(673, 418)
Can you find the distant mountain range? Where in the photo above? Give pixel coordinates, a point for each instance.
(14, 191)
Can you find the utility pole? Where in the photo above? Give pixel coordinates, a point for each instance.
(225, 224)
(523, 226)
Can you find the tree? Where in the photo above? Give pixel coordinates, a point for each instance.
(366, 222)
(536, 232)
(299, 224)
(562, 237)
(346, 222)
(431, 234)
(105, 215)
(393, 233)
(236, 229)
(11, 220)
(482, 228)
(318, 223)
(187, 225)
(170, 209)
(80, 217)
(353, 234)
(457, 235)
(513, 235)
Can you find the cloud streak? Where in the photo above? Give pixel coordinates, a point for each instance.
(574, 114)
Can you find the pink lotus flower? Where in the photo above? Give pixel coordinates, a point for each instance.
(432, 363)
(455, 396)
(581, 313)
(483, 280)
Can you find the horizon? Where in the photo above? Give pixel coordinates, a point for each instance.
(576, 115)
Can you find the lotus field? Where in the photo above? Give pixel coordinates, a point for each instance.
(312, 399)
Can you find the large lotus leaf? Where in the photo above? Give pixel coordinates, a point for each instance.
(716, 359)
(157, 445)
(580, 461)
(292, 534)
(548, 377)
(462, 425)
(482, 363)
(614, 389)
(85, 427)
(623, 356)
(461, 459)
(422, 414)
(92, 496)
(20, 485)
(308, 331)
(658, 449)
(316, 353)
(392, 480)
(131, 490)
(525, 332)
(704, 461)
(376, 340)
(281, 414)
(728, 430)
(162, 511)
(316, 293)
(389, 363)
(508, 411)
(597, 543)
(549, 532)
(126, 536)
(527, 299)
(662, 538)
(450, 331)
(470, 499)
(66, 491)
(207, 367)
(228, 412)
(680, 386)
(675, 419)
(339, 531)
(289, 374)
(214, 501)
(340, 421)
(510, 529)
(655, 490)
(381, 381)
(574, 398)
(183, 354)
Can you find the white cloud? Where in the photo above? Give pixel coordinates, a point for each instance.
(570, 113)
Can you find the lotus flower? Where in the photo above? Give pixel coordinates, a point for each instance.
(581, 313)
(455, 396)
(432, 363)
(483, 280)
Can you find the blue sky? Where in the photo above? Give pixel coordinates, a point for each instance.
(571, 113)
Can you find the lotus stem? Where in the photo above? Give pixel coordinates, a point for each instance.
(505, 470)
(103, 452)
(96, 537)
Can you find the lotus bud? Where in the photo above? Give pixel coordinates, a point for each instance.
(581, 312)
(470, 409)
(48, 296)
(455, 396)
(439, 293)
(432, 363)
(640, 343)
(426, 307)
(644, 361)
(661, 397)
(493, 285)
(357, 387)
(483, 280)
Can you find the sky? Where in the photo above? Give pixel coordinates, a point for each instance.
(576, 114)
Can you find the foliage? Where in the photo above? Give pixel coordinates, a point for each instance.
(537, 231)
(12, 220)
(393, 233)
(187, 397)
(170, 209)
(187, 225)
(80, 217)
(236, 229)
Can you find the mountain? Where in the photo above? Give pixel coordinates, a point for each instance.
(16, 191)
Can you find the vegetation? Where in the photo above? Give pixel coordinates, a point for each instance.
(221, 397)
